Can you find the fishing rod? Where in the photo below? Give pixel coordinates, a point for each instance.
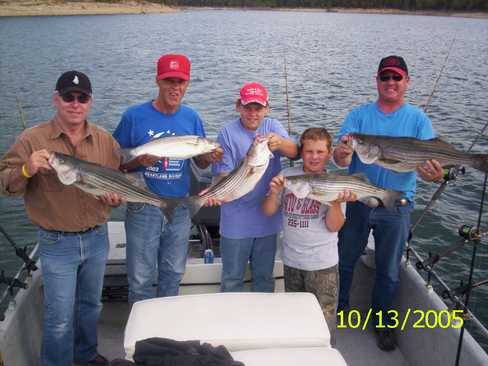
(286, 98)
(21, 113)
(469, 285)
(449, 174)
(30, 265)
(288, 113)
(429, 99)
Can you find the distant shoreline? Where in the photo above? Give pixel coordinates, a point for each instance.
(59, 8)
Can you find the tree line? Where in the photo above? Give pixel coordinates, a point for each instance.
(411, 5)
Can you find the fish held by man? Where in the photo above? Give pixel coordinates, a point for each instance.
(403, 154)
(326, 187)
(241, 180)
(173, 147)
(99, 180)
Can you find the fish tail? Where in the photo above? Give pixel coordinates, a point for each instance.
(391, 198)
(168, 206)
(126, 155)
(480, 162)
(194, 204)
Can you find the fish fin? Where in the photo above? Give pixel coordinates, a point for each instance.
(443, 143)
(168, 206)
(361, 176)
(480, 162)
(126, 155)
(391, 198)
(137, 179)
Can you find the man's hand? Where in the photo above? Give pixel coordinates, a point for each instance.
(431, 171)
(148, 160)
(343, 152)
(39, 160)
(203, 161)
(210, 201)
(111, 199)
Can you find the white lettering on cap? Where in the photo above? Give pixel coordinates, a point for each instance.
(254, 91)
(76, 80)
(174, 65)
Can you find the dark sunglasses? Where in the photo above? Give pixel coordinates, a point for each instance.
(389, 77)
(82, 98)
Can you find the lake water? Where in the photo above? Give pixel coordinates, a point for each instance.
(331, 61)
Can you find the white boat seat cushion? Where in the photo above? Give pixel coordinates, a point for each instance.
(239, 321)
(310, 356)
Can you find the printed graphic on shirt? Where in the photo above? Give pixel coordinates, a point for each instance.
(299, 212)
(165, 169)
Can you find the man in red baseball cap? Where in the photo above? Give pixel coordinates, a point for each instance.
(152, 241)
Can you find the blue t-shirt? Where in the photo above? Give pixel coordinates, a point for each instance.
(244, 217)
(143, 123)
(407, 121)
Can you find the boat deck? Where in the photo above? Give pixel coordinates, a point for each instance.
(356, 346)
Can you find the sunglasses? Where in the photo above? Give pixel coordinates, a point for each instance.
(389, 77)
(69, 98)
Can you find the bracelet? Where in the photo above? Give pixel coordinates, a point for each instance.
(25, 172)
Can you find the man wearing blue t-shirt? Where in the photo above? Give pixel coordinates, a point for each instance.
(246, 233)
(153, 243)
(390, 115)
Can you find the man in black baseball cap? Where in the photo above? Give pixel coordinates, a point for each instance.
(73, 239)
(73, 81)
(390, 115)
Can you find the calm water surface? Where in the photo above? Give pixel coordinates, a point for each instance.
(331, 60)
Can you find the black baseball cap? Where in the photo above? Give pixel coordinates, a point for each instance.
(73, 81)
(393, 63)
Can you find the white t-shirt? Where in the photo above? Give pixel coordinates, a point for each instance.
(307, 243)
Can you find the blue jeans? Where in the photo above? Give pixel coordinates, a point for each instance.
(155, 246)
(390, 231)
(73, 266)
(260, 252)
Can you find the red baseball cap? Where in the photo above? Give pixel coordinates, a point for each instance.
(254, 93)
(393, 63)
(173, 66)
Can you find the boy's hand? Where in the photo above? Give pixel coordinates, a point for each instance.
(346, 196)
(276, 185)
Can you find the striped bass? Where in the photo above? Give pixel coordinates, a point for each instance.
(403, 154)
(98, 180)
(174, 147)
(241, 180)
(325, 187)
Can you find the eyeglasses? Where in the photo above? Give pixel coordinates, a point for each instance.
(69, 98)
(389, 77)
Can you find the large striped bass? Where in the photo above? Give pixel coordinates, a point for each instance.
(241, 180)
(325, 187)
(174, 147)
(403, 154)
(98, 180)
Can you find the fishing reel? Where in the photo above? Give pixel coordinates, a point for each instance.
(469, 232)
(452, 172)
